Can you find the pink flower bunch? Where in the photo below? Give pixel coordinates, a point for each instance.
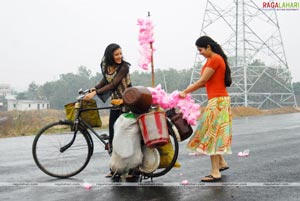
(188, 107)
(145, 39)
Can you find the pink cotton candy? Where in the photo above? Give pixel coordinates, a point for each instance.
(145, 59)
(159, 96)
(184, 182)
(245, 153)
(145, 38)
(87, 186)
(188, 107)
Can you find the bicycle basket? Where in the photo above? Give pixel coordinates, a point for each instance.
(91, 117)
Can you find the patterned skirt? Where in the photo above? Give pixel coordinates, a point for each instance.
(214, 132)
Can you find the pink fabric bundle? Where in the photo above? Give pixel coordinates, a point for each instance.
(145, 39)
(188, 107)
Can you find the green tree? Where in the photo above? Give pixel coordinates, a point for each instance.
(33, 91)
(296, 87)
(170, 79)
(84, 72)
(257, 62)
(22, 96)
(65, 90)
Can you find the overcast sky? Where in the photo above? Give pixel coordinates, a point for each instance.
(41, 39)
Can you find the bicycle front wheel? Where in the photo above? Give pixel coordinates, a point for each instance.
(49, 156)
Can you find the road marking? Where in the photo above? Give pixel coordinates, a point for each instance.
(147, 184)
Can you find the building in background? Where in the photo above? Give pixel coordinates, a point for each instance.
(5, 90)
(9, 102)
(14, 104)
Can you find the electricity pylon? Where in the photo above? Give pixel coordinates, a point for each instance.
(250, 37)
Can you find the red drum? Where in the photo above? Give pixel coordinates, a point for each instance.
(154, 129)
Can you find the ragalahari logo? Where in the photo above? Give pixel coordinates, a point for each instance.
(286, 5)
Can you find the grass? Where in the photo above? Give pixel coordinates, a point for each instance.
(21, 123)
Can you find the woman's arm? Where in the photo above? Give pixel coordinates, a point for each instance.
(116, 81)
(101, 84)
(206, 75)
(120, 75)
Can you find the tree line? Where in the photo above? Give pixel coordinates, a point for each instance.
(65, 89)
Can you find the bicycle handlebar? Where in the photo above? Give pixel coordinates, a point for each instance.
(82, 93)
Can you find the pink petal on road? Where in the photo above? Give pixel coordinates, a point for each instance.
(184, 182)
(87, 186)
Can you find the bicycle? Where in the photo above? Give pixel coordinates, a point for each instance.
(63, 149)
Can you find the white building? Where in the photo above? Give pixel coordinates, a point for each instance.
(14, 104)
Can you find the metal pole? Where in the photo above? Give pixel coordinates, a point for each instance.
(236, 32)
(152, 63)
(244, 57)
(152, 66)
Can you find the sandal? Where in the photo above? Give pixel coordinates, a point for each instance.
(112, 175)
(210, 178)
(132, 178)
(109, 175)
(223, 168)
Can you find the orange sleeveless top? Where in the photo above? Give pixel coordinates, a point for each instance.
(215, 86)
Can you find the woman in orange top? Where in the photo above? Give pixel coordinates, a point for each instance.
(214, 132)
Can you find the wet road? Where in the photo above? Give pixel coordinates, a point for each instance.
(270, 172)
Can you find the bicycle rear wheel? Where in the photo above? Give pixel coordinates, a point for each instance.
(173, 158)
(49, 157)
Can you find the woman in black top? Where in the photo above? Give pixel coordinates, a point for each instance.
(115, 80)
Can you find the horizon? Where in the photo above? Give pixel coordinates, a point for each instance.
(38, 45)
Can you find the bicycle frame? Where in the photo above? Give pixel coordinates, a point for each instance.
(78, 121)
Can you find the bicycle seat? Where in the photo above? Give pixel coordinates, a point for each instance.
(104, 136)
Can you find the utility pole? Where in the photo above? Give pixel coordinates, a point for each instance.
(250, 37)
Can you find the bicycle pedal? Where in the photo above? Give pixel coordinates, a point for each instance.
(104, 136)
(108, 148)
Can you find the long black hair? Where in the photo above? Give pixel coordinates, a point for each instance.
(108, 57)
(203, 42)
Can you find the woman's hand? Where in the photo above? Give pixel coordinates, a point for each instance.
(89, 96)
(92, 89)
(182, 94)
